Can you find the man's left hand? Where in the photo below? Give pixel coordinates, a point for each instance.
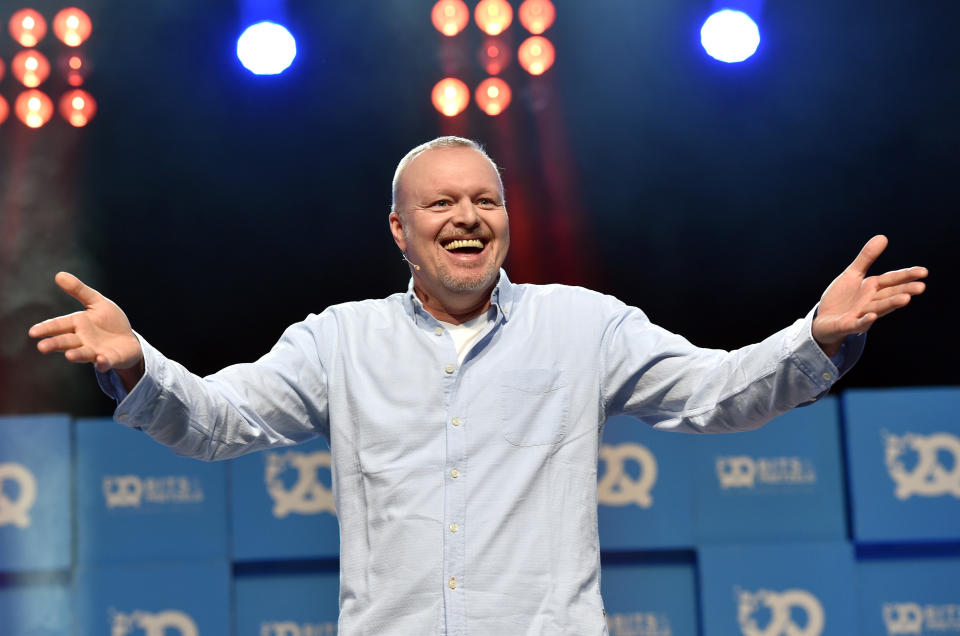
(854, 301)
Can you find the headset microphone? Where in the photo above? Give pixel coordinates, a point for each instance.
(415, 266)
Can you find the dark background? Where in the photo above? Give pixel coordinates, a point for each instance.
(217, 207)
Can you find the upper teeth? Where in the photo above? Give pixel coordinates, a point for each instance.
(455, 245)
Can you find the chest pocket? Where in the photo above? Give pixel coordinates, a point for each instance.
(534, 406)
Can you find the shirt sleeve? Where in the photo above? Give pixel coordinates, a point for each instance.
(672, 385)
(279, 400)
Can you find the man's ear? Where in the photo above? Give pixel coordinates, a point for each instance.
(396, 228)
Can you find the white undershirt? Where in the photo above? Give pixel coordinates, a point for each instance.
(465, 334)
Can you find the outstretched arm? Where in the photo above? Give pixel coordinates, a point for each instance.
(854, 301)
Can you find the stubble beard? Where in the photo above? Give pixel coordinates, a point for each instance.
(468, 282)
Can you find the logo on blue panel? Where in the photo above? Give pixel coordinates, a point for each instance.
(917, 619)
(743, 471)
(617, 487)
(929, 477)
(290, 628)
(15, 509)
(777, 610)
(639, 624)
(132, 491)
(152, 624)
(307, 496)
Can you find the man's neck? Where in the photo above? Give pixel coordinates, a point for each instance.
(455, 308)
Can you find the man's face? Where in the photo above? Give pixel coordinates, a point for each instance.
(451, 220)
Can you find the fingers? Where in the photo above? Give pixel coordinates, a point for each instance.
(901, 276)
(81, 354)
(914, 288)
(54, 326)
(886, 305)
(870, 252)
(63, 342)
(75, 287)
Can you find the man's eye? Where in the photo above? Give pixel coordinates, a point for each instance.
(486, 201)
(439, 204)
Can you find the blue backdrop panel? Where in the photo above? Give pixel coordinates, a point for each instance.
(283, 504)
(644, 492)
(903, 453)
(41, 609)
(137, 501)
(35, 493)
(778, 590)
(782, 481)
(287, 604)
(148, 600)
(920, 597)
(650, 599)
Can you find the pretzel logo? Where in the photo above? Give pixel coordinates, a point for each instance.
(122, 491)
(153, 624)
(616, 488)
(903, 618)
(929, 478)
(289, 628)
(779, 605)
(16, 511)
(736, 472)
(308, 496)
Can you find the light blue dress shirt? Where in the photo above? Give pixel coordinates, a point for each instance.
(467, 493)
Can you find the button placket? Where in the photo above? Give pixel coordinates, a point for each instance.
(455, 512)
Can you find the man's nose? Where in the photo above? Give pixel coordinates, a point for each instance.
(466, 214)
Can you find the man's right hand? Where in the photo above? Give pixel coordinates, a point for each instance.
(100, 334)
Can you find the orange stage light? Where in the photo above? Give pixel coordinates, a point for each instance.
(27, 27)
(4, 109)
(30, 67)
(75, 68)
(536, 16)
(450, 96)
(450, 16)
(2, 69)
(494, 56)
(493, 16)
(72, 26)
(78, 107)
(33, 108)
(493, 96)
(536, 55)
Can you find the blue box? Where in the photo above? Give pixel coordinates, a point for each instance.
(650, 599)
(152, 599)
(138, 502)
(287, 604)
(915, 596)
(35, 609)
(778, 589)
(903, 453)
(644, 492)
(783, 481)
(283, 504)
(35, 527)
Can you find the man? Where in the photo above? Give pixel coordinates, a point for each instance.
(464, 416)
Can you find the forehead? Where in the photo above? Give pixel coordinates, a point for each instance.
(449, 169)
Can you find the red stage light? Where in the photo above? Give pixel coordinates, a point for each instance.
(27, 27)
(33, 108)
(493, 96)
(75, 68)
(78, 107)
(494, 56)
(72, 26)
(536, 16)
(450, 96)
(30, 67)
(536, 54)
(4, 109)
(493, 16)
(2, 69)
(450, 16)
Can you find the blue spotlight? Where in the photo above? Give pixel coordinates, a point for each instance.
(266, 48)
(730, 36)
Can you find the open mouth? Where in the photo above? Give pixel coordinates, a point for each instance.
(464, 246)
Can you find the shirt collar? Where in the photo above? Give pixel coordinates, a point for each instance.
(502, 297)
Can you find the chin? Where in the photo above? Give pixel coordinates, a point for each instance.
(465, 283)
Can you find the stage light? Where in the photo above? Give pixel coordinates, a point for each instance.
(2, 69)
(75, 68)
(33, 108)
(77, 107)
(493, 16)
(4, 109)
(494, 56)
(266, 48)
(450, 96)
(493, 96)
(27, 27)
(30, 67)
(536, 54)
(72, 26)
(730, 36)
(450, 16)
(536, 16)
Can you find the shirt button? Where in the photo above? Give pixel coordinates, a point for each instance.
(455, 421)
(454, 473)
(453, 583)
(454, 527)
(448, 368)
(827, 375)
(438, 331)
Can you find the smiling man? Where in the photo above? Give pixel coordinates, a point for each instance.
(464, 416)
